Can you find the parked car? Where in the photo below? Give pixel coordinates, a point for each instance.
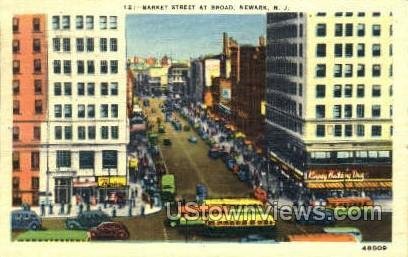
(87, 220)
(109, 230)
(162, 129)
(166, 141)
(192, 139)
(214, 153)
(25, 219)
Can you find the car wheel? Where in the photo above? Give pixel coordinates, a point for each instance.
(34, 227)
(123, 235)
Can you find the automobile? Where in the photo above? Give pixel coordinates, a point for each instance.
(109, 230)
(244, 174)
(162, 129)
(323, 217)
(256, 238)
(146, 102)
(214, 153)
(87, 220)
(25, 220)
(167, 141)
(192, 139)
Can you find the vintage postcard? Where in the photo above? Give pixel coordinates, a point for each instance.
(203, 128)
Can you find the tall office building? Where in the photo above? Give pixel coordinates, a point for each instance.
(329, 99)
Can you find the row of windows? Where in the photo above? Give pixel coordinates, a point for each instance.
(350, 154)
(284, 85)
(346, 50)
(348, 111)
(38, 107)
(36, 133)
(37, 87)
(285, 121)
(66, 109)
(348, 130)
(36, 46)
(347, 91)
(35, 160)
(347, 30)
(87, 159)
(36, 24)
(347, 72)
(90, 67)
(86, 132)
(83, 44)
(89, 90)
(64, 22)
(37, 67)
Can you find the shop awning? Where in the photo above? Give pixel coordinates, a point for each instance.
(84, 184)
(347, 184)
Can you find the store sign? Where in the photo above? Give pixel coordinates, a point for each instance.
(334, 175)
(112, 181)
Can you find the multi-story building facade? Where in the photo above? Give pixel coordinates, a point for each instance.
(329, 98)
(196, 84)
(178, 78)
(87, 128)
(29, 104)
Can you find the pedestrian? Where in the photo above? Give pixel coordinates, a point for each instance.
(105, 202)
(42, 207)
(81, 208)
(69, 208)
(62, 211)
(142, 210)
(51, 212)
(130, 210)
(114, 212)
(88, 206)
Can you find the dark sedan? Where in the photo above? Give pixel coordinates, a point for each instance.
(109, 231)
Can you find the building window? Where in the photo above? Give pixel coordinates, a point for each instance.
(57, 66)
(114, 88)
(67, 88)
(348, 90)
(81, 132)
(360, 90)
(390, 70)
(35, 160)
(337, 70)
(349, 14)
(348, 50)
(81, 88)
(104, 88)
(80, 67)
(360, 110)
(349, 30)
(90, 89)
(67, 67)
(300, 110)
(337, 130)
(321, 50)
(376, 111)
(56, 44)
(68, 132)
(361, 14)
(300, 70)
(348, 111)
(37, 66)
(90, 44)
(360, 30)
(391, 111)
(360, 70)
(376, 30)
(104, 110)
(110, 159)
(375, 131)
(57, 89)
(91, 132)
(36, 25)
(58, 132)
(114, 110)
(338, 14)
(16, 66)
(91, 111)
(376, 14)
(376, 91)
(337, 111)
(320, 111)
(114, 45)
(81, 111)
(91, 67)
(337, 91)
(300, 89)
(16, 87)
(66, 44)
(80, 22)
(114, 132)
(89, 22)
(86, 159)
(80, 44)
(57, 111)
(36, 45)
(55, 22)
(338, 50)
(16, 107)
(16, 133)
(321, 30)
(348, 70)
(66, 22)
(348, 130)
(113, 22)
(37, 133)
(103, 44)
(376, 49)
(38, 107)
(390, 93)
(321, 70)
(320, 131)
(16, 46)
(360, 130)
(300, 50)
(104, 132)
(103, 21)
(67, 111)
(16, 160)
(376, 71)
(63, 159)
(114, 66)
(16, 22)
(338, 29)
(104, 67)
(360, 50)
(35, 184)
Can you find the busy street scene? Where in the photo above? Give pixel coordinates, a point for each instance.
(205, 124)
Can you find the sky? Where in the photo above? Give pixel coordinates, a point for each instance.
(185, 36)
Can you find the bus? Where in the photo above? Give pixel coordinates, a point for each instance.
(168, 188)
(321, 237)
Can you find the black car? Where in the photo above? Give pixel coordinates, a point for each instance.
(87, 220)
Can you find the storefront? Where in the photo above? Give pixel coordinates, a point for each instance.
(85, 190)
(62, 189)
(113, 189)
